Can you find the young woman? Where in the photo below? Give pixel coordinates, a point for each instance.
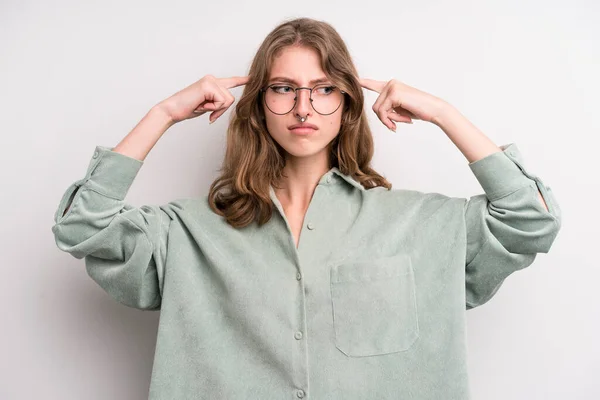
(302, 274)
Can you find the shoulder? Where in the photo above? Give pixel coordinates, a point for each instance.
(187, 205)
(193, 210)
(413, 202)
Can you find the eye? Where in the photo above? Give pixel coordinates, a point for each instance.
(280, 89)
(325, 90)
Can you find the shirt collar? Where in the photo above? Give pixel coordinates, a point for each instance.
(331, 177)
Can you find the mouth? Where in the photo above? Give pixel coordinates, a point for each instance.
(303, 129)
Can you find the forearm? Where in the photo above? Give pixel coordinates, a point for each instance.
(471, 142)
(142, 138)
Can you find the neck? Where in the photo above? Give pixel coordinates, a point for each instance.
(301, 176)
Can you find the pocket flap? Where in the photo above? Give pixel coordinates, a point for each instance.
(372, 270)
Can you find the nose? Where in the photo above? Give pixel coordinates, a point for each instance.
(303, 107)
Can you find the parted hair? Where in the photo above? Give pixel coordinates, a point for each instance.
(254, 160)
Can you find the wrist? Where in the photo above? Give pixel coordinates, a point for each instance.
(444, 113)
(159, 114)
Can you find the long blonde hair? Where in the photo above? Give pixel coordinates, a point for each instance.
(254, 160)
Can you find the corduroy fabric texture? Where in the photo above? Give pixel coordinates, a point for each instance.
(371, 305)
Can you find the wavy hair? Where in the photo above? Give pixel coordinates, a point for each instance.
(254, 160)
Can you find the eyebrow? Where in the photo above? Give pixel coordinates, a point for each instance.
(289, 80)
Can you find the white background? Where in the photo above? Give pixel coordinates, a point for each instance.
(75, 74)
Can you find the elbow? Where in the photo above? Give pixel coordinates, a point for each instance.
(549, 236)
(546, 228)
(523, 225)
(528, 241)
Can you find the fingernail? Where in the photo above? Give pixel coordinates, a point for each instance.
(210, 122)
(393, 130)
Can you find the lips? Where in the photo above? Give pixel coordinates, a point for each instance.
(303, 126)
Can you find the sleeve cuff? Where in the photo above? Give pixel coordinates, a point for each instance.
(110, 173)
(502, 173)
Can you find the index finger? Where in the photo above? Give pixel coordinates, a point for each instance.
(234, 81)
(372, 84)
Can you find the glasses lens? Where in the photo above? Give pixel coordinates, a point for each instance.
(326, 99)
(281, 98)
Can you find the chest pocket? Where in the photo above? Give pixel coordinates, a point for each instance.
(374, 306)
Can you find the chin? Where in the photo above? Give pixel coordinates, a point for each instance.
(296, 151)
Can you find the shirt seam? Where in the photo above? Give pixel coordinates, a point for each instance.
(152, 247)
(100, 193)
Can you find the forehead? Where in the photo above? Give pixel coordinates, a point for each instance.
(301, 65)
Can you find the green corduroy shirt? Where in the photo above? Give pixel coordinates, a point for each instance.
(371, 305)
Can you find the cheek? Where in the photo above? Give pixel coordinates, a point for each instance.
(274, 123)
(335, 122)
(275, 126)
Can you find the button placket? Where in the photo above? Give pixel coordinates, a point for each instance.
(307, 241)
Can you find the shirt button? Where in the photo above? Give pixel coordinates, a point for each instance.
(300, 393)
(95, 154)
(310, 225)
(329, 179)
(298, 275)
(298, 335)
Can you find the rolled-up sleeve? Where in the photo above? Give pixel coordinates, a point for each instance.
(124, 246)
(507, 225)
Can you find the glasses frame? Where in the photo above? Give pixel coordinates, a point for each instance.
(263, 91)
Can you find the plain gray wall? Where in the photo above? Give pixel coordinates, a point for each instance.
(75, 75)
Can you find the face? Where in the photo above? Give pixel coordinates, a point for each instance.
(302, 66)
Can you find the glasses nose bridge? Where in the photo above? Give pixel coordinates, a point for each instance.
(300, 88)
(309, 96)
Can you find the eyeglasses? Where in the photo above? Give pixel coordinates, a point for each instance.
(281, 99)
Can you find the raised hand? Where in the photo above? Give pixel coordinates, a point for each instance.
(399, 102)
(207, 94)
